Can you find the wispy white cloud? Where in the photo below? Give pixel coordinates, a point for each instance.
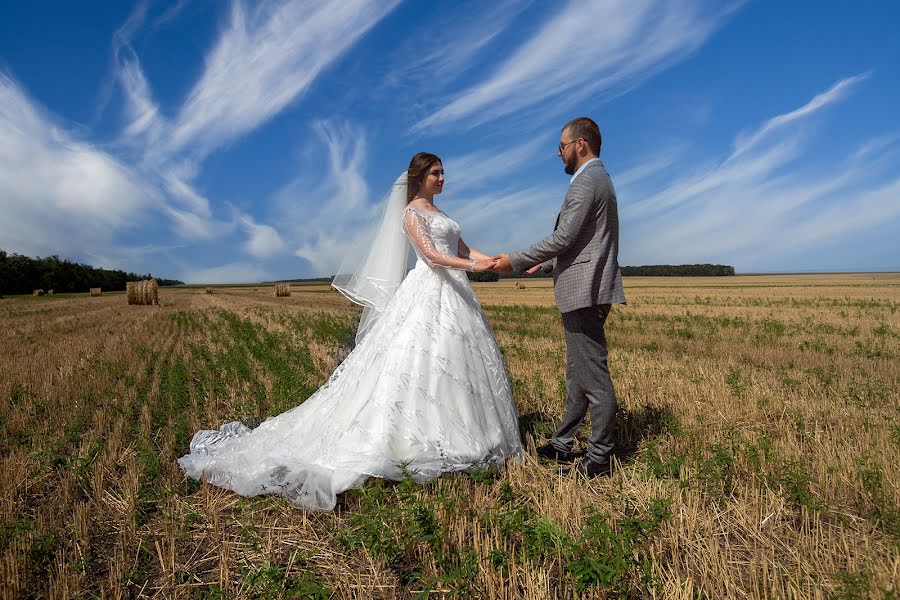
(767, 223)
(322, 212)
(507, 219)
(749, 161)
(190, 226)
(583, 50)
(437, 55)
(267, 56)
(835, 93)
(234, 272)
(865, 209)
(129, 255)
(766, 193)
(712, 179)
(175, 182)
(876, 148)
(143, 113)
(652, 166)
(481, 169)
(189, 211)
(751, 207)
(144, 120)
(171, 13)
(59, 194)
(263, 241)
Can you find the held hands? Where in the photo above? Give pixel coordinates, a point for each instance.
(484, 265)
(502, 264)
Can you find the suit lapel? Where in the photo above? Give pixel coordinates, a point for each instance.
(590, 166)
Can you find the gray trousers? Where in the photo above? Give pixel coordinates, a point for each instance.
(588, 383)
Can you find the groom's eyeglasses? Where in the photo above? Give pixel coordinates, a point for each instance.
(562, 147)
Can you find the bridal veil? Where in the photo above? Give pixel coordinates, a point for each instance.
(371, 273)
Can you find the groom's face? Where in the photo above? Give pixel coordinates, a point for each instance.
(567, 151)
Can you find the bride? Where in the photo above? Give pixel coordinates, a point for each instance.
(424, 391)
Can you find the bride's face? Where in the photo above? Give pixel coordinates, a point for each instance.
(433, 183)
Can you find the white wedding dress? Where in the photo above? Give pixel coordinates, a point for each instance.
(425, 392)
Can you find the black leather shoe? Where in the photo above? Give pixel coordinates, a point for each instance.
(550, 452)
(590, 468)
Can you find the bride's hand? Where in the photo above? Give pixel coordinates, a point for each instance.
(484, 265)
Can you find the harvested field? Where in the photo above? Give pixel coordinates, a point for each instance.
(759, 449)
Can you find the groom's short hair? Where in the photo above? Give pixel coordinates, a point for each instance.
(586, 129)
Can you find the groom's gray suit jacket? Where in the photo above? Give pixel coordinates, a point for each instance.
(583, 250)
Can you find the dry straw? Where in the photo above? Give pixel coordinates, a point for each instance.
(96, 292)
(282, 290)
(142, 292)
(744, 428)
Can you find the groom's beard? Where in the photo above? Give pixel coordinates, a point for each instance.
(570, 166)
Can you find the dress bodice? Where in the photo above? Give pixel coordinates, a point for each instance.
(438, 229)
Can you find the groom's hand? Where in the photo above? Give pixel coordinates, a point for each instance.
(483, 265)
(502, 264)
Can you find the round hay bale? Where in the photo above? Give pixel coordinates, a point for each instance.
(520, 285)
(282, 290)
(96, 292)
(37, 293)
(142, 292)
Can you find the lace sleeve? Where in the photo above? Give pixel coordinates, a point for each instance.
(414, 226)
(466, 252)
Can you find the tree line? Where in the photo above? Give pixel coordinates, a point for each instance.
(679, 271)
(645, 271)
(22, 274)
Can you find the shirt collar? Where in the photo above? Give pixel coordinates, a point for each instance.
(581, 168)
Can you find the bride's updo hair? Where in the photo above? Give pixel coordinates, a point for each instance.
(418, 167)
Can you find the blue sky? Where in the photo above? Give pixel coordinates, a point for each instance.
(216, 141)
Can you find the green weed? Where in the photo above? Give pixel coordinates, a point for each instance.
(614, 556)
(735, 383)
(795, 482)
(883, 513)
(271, 581)
(657, 466)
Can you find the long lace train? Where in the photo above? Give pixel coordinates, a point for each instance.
(425, 391)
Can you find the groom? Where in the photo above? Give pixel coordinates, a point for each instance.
(582, 252)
